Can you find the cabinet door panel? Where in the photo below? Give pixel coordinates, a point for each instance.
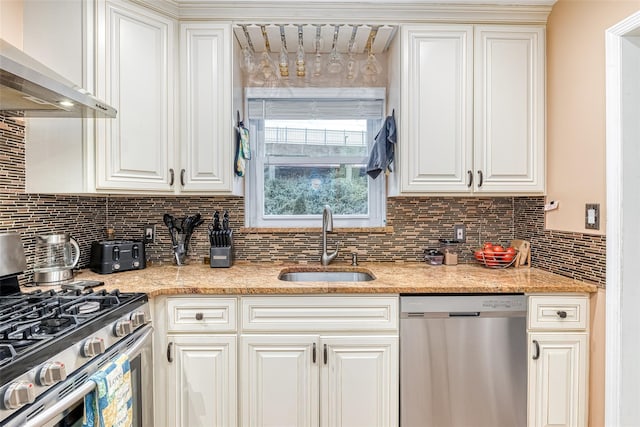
(206, 132)
(279, 380)
(436, 148)
(509, 108)
(135, 75)
(359, 381)
(202, 381)
(557, 380)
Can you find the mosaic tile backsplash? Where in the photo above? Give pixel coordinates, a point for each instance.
(418, 224)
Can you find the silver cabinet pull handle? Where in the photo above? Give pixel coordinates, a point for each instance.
(480, 179)
(536, 356)
(182, 177)
(199, 316)
(171, 177)
(169, 355)
(562, 314)
(470, 181)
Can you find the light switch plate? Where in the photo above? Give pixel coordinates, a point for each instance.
(592, 216)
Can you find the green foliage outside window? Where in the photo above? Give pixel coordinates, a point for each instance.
(301, 191)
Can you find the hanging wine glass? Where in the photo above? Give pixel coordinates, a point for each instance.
(317, 59)
(352, 62)
(283, 62)
(300, 65)
(336, 62)
(266, 67)
(248, 64)
(371, 68)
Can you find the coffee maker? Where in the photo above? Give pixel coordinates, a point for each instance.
(56, 256)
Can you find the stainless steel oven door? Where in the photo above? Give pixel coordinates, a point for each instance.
(63, 405)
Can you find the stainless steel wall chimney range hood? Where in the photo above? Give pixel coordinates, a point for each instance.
(29, 86)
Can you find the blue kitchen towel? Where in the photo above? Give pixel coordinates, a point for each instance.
(110, 404)
(382, 153)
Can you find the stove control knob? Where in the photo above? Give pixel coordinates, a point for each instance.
(138, 318)
(92, 347)
(116, 266)
(51, 373)
(19, 394)
(123, 328)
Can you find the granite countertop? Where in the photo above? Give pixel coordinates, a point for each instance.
(393, 278)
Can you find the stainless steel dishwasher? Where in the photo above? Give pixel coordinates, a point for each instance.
(463, 361)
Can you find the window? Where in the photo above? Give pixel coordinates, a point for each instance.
(311, 148)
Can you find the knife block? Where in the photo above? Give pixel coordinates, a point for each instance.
(221, 256)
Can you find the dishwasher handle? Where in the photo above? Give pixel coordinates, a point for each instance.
(464, 314)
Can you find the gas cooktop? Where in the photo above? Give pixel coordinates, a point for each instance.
(36, 325)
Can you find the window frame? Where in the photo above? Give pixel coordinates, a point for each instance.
(254, 179)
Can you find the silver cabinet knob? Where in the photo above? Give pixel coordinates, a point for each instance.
(123, 328)
(51, 373)
(138, 318)
(92, 347)
(19, 394)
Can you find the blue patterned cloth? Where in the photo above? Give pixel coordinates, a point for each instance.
(110, 404)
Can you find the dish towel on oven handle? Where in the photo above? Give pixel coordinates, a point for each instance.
(110, 404)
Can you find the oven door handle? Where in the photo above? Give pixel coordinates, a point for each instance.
(86, 388)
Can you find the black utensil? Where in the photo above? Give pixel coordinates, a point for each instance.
(169, 222)
(225, 228)
(216, 229)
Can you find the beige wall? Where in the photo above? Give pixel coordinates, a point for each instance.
(11, 21)
(576, 107)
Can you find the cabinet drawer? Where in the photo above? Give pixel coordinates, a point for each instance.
(551, 312)
(364, 313)
(201, 314)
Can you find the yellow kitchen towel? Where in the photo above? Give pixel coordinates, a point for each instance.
(110, 404)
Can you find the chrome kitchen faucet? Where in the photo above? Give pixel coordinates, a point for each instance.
(327, 226)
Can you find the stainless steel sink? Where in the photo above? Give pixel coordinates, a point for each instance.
(325, 276)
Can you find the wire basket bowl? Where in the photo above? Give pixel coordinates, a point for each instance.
(495, 259)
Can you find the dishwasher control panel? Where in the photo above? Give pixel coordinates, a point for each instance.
(471, 305)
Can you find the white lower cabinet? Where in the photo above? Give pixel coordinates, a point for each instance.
(195, 361)
(558, 361)
(359, 381)
(326, 361)
(311, 380)
(313, 361)
(202, 381)
(279, 380)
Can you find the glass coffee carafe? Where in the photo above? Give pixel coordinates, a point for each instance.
(56, 256)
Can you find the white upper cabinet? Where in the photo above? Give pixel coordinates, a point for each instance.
(175, 86)
(59, 151)
(472, 109)
(509, 154)
(135, 74)
(436, 137)
(206, 117)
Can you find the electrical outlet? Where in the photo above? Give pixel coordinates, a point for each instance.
(150, 234)
(592, 216)
(460, 233)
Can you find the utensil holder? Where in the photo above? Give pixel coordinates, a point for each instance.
(221, 256)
